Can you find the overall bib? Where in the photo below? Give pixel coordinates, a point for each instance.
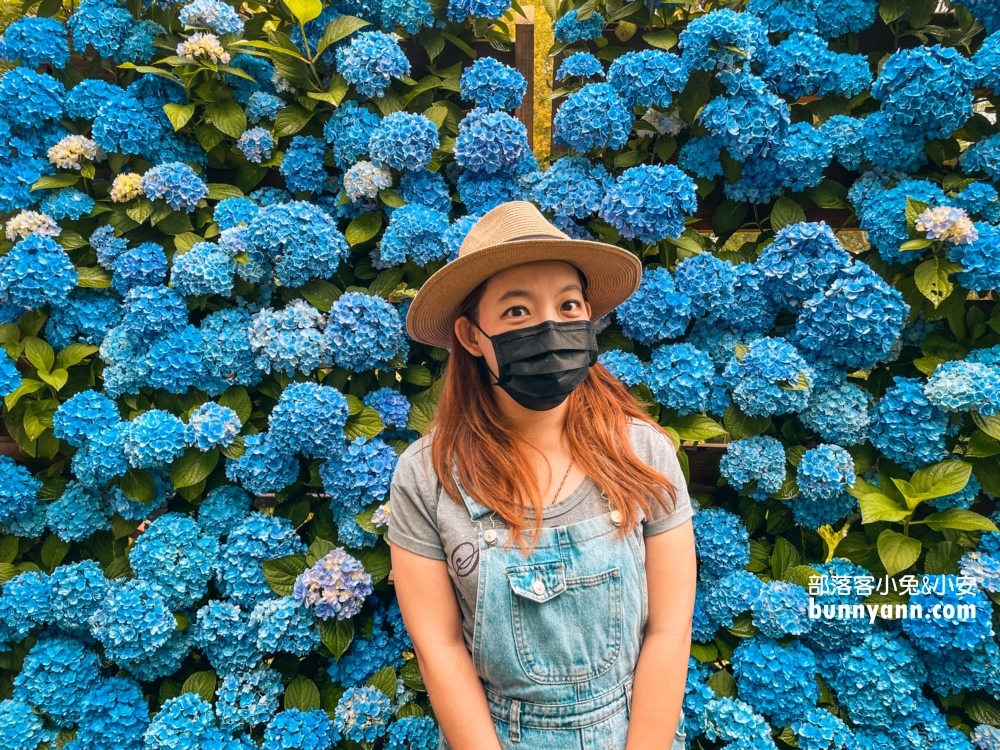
(557, 634)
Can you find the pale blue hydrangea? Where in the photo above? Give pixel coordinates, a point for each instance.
(227, 355)
(771, 378)
(364, 332)
(650, 203)
(980, 260)
(490, 84)
(77, 514)
(82, 415)
(133, 621)
(212, 425)
(364, 180)
(284, 625)
(750, 120)
(985, 569)
(222, 631)
(721, 541)
(960, 386)
(144, 265)
(263, 106)
(294, 729)
(255, 144)
(824, 472)
(779, 681)
(290, 339)
(760, 460)
(362, 714)
(176, 183)
(263, 467)
(572, 187)
(680, 377)
(66, 203)
(839, 414)
(489, 142)
(360, 473)
(154, 438)
(624, 366)
(781, 609)
(232, 212)
(212, 14)
(906, 427)
(175, 558)
(579, 65)
(725, 40)
(649, 77)
(594, 117)
(248, 698)
(568, 28)
(36, 272)
(240, 570)
(986, 737)
(336, 586)
(204, 269)
(52, 673)
(371, 61)
(302, 166)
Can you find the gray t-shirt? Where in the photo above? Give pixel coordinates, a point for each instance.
(424, 519)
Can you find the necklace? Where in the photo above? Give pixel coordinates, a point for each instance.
(563, 480)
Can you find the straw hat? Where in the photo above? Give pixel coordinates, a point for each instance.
(508, 235)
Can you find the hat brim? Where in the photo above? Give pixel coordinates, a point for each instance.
(613, 274)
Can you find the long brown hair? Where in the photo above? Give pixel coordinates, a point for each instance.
(470, 428)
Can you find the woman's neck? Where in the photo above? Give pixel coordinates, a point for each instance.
(542, 429)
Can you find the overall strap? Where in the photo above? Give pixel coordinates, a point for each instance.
(476, 509)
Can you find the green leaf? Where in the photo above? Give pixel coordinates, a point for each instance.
(877, 507)
(57, 378)
(785, 212)
(931, 278)
(302, 694)
(961, 519)
(800, 575)
(320, 294)
(185, 241)
(39, 353)
(891, 10)
(54, 550)
(50, 182)
(942, 558)
(723, 684)
(391, 198)
(921, 12)
(412, 677)
(376, 561)
(728, 218)
(237, 399)
(418, 375)
(92, 277)
(138, 485)
(982, 445)
(989, 425)
(218, 191)
(783, 558)
(281, 572)
(178, 114)
(661, 38)
(982, 712)
(290, 121)
(367, 423)
(362, 228)
(141, 211)
(38, 417)
(829, 194)
(386, 282)
(339, 28)
(27, 386)
(913, 210)
(896, 551)
(916, 244)
(739, 425)
(304, 10)
(384, 680)
(629, 158)
(201, 683)
(319, 549)
(120, 567)
(193, 467)
(336, 636)
(943, 478)
(697, 427)
(70, 240)
(227, 116)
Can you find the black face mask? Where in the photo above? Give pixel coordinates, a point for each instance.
(541, 365)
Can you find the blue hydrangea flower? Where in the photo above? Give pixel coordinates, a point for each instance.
(138, 47)
(490, 142)
(825, 471)
(336, 586)
(21, 726)
(371, 61)
(680, 377)
(36, 40)
(212, 425)
(263, 106)
(392, 406)
(779, 681)
(594, 117)
(623, 366)
(781, 609)
(579, 65)
(573, 187)
(459, 10)
(204, 269)
(839, 414)
(175, 558)
(83, 415)
(154, 438)
(36, 272)
(413, 732)
(66, 203)
(77, 514)
(133, 621)
(32, 98)
(255, 144)
(649, 77)
(883, 214)
(232, 212)
(964, 498)
(727, 719)
(569, 29)
(730, 596)
(750, 120)
(412, 15)
(656, 311)
(927, 90)
(240, 571)
(223, 633)
(759, 459)
(263, 467)
(364, 331)
(771, 378)
(115, 713)
(982, 199)
(801, 262)
(492, 85)
(172, 363)
(959, 386)
(818, 729)
(301, 240)
(103, 24)
(938, 634)
(177, 183)
(803, 65)
(359, 474)
(907, 427)
(426, 188)
(290, 339)
(10, 376)
(26, 602)
(828, 18)
(309, 419)
(414, 233)
(227, 355)
(144, 265)
(286, 625)
(212, 14)
(249, 697)
(708, 282)
(362, 714)
(186, 721)
(455, 235)
(85, 316)
(52, 673)
(855, 322)
(363, 181)
(979, 260)
(349, 131)
(302, 166)
(650, 203)
(77, 590)
(223, 509)
(700, 156)
(294, 729)
(481, 192)
(102, 457)
(725, 40)
(721, 541)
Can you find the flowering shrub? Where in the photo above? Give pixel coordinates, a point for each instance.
(215, 217)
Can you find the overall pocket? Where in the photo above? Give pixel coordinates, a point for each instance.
(565, 629)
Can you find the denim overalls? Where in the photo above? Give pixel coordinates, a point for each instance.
(557, 634)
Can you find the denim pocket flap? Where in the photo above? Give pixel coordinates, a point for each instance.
(538, 582)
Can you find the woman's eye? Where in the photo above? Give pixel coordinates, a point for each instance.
(573, 302)
(512, 311)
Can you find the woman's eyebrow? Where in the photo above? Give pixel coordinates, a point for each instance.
(523, 293)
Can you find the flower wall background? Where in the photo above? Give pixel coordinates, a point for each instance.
(215, 218)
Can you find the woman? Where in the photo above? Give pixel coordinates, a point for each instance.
(542, 548)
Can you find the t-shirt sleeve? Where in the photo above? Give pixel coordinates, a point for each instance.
(656, 448)
(413, 505)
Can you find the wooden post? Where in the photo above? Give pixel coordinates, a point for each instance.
(524, 62)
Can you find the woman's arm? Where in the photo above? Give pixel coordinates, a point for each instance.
(660, 675)
(433, 620)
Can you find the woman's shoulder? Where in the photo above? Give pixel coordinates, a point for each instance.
(646, 436)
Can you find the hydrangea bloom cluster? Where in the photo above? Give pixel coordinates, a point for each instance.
(370, 61)
(336, 586)
(492, 85)
(649, 203)
(770, 378)
(759, 460)
(363, 331)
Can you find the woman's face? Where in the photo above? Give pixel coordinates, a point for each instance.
(523, 296)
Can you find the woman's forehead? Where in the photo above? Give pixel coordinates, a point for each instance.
(541, 275)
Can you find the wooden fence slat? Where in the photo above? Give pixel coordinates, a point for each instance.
(524, 62)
